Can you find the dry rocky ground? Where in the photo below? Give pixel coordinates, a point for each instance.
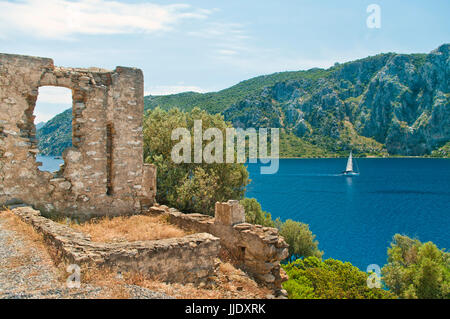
(132, 228)
(27, 270)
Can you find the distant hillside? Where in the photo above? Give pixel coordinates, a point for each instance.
(56, 135)
(39, 125)
(217, 102)
(396, 103)
(443, 151)
(389, 102)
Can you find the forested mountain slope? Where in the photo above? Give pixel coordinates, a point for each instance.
(396, 103)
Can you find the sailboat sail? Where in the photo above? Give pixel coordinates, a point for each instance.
(349, 164)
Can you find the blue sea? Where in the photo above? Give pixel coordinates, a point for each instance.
(49, 163)
(354, 218)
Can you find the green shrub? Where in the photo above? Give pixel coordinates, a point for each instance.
(417, 270)
(312, 278)
(301, 240)
(254, 214)
(190, 187)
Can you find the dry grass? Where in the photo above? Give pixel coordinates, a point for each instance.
(14, 223)
(106, 279)
(113, 286)
(31, 238)
(33, 243)
(19, 261)
(133, 228)
(231, 283)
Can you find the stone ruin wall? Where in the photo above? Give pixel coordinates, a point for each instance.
(258, 250)
(103, 173)
(193, 258)
(188, 259)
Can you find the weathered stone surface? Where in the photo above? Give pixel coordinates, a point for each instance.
(104, 163)
(230, 213)
(259, 249)
(187, 259)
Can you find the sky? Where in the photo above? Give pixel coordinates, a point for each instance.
(209, 45)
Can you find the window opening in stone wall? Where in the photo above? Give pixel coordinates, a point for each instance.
(53, 124)
(241, 253)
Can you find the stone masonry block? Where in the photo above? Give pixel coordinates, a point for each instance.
(229, 213)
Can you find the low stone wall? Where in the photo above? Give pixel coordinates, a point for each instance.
(187, 259)
(259, 249)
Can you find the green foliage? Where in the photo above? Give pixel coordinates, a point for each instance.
(293, 146)
(359, 144)
(56, 135)
(189, 187)
(418, 59)
(417, 270)
(217, 102)
(311, 278)
(254, 214)
(301, 240)
(443, 151)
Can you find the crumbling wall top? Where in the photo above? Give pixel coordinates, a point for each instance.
(229, 213)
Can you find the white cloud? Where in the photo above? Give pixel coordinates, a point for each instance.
(229, 31)
(227, 39)
(256, 61)
(55, 95)
(62, 19)
(51, 101)
(172, 89)
(227, 52)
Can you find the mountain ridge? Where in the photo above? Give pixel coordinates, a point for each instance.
(56, 134)
(384, 104)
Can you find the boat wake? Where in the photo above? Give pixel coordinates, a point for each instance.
(315, 175)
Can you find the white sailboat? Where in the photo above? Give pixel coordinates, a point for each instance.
(349, 169)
